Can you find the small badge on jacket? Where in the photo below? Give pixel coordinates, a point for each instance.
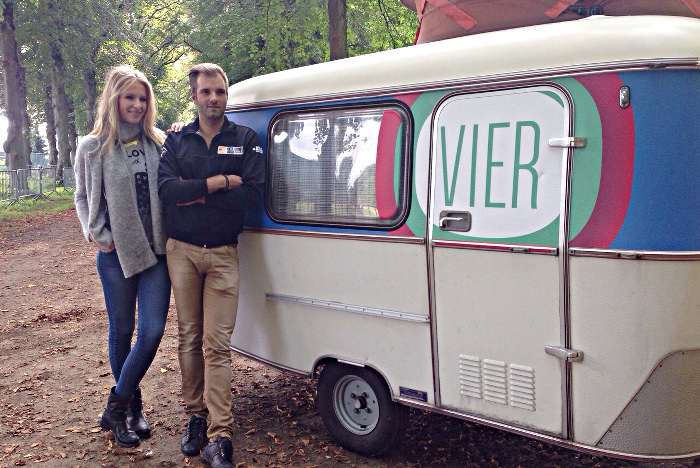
(230, 150)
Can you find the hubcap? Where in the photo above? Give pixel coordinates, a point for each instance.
(356, 405)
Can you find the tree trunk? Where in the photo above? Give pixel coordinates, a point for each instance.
(338, 29)
(50, 126)
(60, 106)
(90, 97)
(17, 146)
(72, 134)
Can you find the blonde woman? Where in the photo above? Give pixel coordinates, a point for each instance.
(116, 199)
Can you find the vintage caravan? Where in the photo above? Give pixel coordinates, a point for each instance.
(502, 227)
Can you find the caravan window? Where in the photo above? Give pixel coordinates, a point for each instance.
(340, 166)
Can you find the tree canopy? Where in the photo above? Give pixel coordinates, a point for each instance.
(65, 47)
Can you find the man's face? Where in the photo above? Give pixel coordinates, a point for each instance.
(210, 97)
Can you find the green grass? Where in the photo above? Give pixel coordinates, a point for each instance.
(28, 208)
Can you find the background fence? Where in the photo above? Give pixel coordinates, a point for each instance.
(32, 182)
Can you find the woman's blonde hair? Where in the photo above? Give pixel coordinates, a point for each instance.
(107, 122)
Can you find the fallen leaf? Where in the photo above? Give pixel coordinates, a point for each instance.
(10, 449)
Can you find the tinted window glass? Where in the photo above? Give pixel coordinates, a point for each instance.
(342, 166)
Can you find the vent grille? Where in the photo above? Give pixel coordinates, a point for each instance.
(495, 382)
(522, 387)
(498, 382)
(470, 376)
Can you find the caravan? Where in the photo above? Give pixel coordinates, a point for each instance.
(502, 227)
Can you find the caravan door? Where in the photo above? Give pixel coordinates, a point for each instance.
(497, 201)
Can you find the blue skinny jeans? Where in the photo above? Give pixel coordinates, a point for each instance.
(151, 290)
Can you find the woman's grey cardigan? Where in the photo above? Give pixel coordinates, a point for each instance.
(109, 177)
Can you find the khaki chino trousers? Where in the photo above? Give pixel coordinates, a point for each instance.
(205, 286)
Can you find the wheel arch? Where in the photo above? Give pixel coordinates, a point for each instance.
(323, 360)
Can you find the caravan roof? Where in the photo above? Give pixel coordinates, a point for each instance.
(594, 43)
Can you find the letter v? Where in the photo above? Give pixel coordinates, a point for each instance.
(450, 194)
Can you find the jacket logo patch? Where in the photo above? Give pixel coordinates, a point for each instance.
(230, 150)
(257, 149)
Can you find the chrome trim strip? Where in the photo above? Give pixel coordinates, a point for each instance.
(635, 254)
(541, 436)
(567, 424)
(272, 364)
(338, 235)
(514, 248)
(509, 79)
(430, 254)
(385, 313)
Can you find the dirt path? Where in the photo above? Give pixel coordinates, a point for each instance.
(55, 377)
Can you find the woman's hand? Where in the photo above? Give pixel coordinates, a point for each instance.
(109, 249)
(176, 126)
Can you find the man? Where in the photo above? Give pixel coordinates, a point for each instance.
(210, 173)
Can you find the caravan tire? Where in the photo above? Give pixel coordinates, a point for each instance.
(357, 409)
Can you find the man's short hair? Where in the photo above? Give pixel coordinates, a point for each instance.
(209, 69)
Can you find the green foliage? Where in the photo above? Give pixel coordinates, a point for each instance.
(164, 37)
(376, 25)
(254, 37)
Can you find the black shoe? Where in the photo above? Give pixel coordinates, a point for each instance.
(195, 437)
(219, 454)
(114, 419)
(135, 417)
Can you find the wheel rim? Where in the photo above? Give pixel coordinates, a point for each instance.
(356, 405)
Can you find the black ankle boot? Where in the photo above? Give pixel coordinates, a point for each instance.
(135, 417)
(114, 419)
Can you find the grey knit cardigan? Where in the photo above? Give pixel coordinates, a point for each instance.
(105, 184)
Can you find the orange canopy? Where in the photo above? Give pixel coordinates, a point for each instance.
(444, 19)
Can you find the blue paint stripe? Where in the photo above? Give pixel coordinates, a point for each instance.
(664, 210)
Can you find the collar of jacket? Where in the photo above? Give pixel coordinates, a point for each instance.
(193, 127)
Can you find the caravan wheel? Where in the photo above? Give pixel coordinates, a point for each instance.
(357, 409)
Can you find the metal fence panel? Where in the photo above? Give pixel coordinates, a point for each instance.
(47, 178)
(34, 182)
(68, 178)
(24, 180)
(7, 186)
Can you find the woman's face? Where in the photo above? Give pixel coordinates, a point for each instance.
(133, 102)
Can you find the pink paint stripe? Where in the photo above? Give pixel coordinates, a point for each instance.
(384, 173)
(617, 167)
(407, 99)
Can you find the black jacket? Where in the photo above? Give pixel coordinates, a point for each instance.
(186, 162)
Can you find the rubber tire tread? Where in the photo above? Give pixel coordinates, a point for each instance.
(392, 420)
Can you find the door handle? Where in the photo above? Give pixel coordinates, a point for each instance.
(565, 354)
(455, 221)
